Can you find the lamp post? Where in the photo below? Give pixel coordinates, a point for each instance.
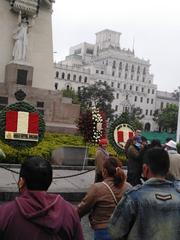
(178, 121)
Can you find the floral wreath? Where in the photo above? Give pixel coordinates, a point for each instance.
(122, 120)
(21, 107)
(92, 125)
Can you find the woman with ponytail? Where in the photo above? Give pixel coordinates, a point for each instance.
(102, 198)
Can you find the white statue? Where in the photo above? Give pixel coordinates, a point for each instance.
(20, 35)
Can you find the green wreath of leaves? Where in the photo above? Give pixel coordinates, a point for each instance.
(24, 107)
(124, 118)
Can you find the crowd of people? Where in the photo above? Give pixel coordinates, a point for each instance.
(144, 204)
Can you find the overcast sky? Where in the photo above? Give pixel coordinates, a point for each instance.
(154, 24)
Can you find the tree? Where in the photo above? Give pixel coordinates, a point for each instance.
(99, 95)
(71, 94)
(167, 118)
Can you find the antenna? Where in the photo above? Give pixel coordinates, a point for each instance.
(133, 45)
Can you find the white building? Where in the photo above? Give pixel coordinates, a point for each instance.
(106, 61)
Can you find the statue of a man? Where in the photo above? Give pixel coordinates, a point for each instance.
(20, 35)
(21, 40)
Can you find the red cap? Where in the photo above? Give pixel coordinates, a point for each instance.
(103, 141)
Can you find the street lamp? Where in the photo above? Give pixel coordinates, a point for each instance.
(178, 121)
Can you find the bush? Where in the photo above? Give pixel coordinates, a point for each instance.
(50, 142)
(178, 147)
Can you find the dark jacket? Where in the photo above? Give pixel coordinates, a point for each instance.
(36, 215)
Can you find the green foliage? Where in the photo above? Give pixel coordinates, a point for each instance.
(24, 107)
(71, 94)
(178, 148)
(50, 142)
(99, 95)
(167, 118)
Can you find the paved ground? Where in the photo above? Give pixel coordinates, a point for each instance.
(8, 180)
(72, 186)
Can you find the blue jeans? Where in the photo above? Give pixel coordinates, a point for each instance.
(101, 234)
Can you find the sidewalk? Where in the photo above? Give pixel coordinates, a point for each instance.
(72, 188)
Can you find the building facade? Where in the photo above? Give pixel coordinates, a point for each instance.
(127, 74)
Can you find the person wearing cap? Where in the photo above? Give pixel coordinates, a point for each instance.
(101, 155)
(174, 158)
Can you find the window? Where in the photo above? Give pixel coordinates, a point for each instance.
(120, 66)
(117, 95)
(132, 68)
(130, 88)
(112, 84)
(89, 51)
(152, 101)
(119, 74)
(146, 111)
(106, 62)
(152, 91)
(85, 79)
(131, 77)
(125, 76)
(74, 77)
(147, 100)
(57, 74)
(143, 79)
(148, 90)
(3, 100)
(137, 78)
(68, 76)
(79, 89)
(135, 98)
(113, 73)
(150, 112)
(22, 77)
(40, 104)
(114, 64)
(77, 51)
(136, 88)
(63, 75)
(56, 86)
(142, 90)
(138, 69)
(124, 86)
(162, 105)
(67, 87)
(118, 85)
(116, 107)
(97, 71)
(126, 97)
(141, 99)
(80, 78)
(126, 67)
(102, 72)
(144, 71)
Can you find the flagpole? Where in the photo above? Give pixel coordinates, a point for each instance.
(178, 121)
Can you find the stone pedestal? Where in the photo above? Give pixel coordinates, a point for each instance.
(18, 74)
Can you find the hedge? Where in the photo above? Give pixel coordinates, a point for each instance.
(50, 142)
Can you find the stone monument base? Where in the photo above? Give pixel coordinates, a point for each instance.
(21, 74)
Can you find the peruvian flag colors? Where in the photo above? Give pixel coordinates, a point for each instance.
(123, 136)
(22, 125)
